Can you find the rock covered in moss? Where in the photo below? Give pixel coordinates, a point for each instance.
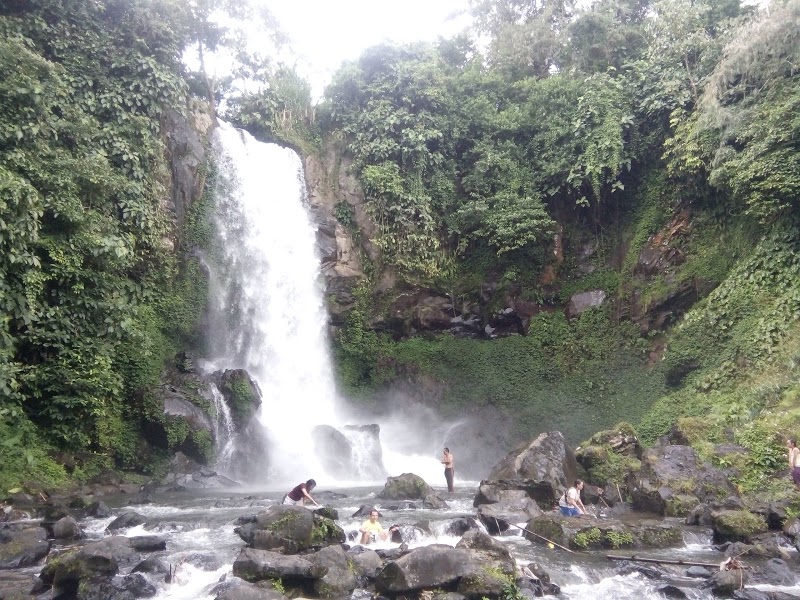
(737, 525)
(583, 533)
(673, 480)
(290, 529)
(241, 394)
(406, 487)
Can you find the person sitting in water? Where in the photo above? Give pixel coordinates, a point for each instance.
(570, 502)
(300, 493)
(372, 531)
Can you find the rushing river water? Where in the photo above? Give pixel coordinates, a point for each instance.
(202, 544)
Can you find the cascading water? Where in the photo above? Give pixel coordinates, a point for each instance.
(268, 315)
(224, 431)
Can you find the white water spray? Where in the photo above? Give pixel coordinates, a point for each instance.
(268, 315)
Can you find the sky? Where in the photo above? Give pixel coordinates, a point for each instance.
(325, 33)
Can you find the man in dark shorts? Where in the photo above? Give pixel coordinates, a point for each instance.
(300, 492)
(449, 468)
(794, 460)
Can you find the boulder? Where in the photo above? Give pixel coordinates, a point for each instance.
(368, 563)
(234, 588)
(774, 572)
(66, 528)
(406, 487)
(477, 567)
(517, 507)
(339, 579)
(98, 588)
(253, 564)
(22, 547)
(581, 533)
(99, 510)
(547, 460)
(335, 451)
(725, 583)
(737, 525)
(673, 480)
(126, 520)
(16, 585)
(290, 529)
(148, 543)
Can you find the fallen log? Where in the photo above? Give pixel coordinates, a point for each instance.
(664, 561)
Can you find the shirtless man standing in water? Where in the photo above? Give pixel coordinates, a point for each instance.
(794, 460)
(449, 468)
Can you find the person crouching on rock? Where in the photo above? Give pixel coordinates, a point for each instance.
(300, 493)
(371, 530)
(570, 502)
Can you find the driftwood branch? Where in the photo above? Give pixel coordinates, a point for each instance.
(663, 561)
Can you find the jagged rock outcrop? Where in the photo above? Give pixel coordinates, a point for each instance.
(546, 460)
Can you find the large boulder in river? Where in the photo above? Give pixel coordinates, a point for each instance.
(476, 568)
(673, 480)
(609, 455)
(254, 565)
(290, 529)
(506, 501)
(406, 487)
(339, 579)
(547, 460)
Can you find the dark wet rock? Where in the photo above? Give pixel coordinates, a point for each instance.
(725, 583)
(99, 510)
(126, 520)
(93, 563)
(406, 487)
(98, 588)
(582, 533)
(234, 588)
(673, 480)
(737, 525)
(363, 511)
(66, 529)
(151, 565)
(671, 591)
(254, 565)
(791, 528)
(148, 543)
(461, 525)
(546, 460)
(339, 579)
(402, 506)
(328, 513)
(752, 594)
(22, 547)
(367, 562)
(244, 519)
(774, 572)
(141, 498)
(698, 572)
(758, 549)
(138, 585)
(327, 495)
(649, 571)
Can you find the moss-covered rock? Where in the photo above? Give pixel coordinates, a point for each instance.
(406, 487)
(585, 534)
(241, 394)
(737, 525)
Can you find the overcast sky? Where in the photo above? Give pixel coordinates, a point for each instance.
(327, 32)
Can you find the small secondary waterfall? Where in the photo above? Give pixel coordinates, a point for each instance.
(268, 314)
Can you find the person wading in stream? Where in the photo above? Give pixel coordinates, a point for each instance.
(300, 492)
(570, 503)
(449, 469)
(794, 460)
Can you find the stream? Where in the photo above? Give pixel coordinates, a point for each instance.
(202, 544)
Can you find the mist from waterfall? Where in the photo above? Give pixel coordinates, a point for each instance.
(268, 314)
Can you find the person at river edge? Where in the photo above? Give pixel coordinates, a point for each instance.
(794, 460)
(371, 530)
(300, 493)
(570, 502)
(449, 469)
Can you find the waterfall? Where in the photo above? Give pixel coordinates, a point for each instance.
(267, 313)
(224, 431)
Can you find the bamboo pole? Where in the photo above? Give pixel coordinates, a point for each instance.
(532, 533)
(663, 561)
